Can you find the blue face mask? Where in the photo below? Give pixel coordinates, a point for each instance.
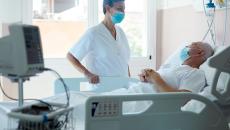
(117, 17)
(184, 54)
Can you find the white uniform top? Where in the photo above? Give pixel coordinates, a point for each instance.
(103, 55)
(184, 77)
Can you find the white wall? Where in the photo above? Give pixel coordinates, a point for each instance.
(185, 24)
(165, 4)
(10, 11)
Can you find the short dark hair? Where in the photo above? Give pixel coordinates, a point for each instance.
(110, 3)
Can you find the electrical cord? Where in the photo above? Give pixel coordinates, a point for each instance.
(14, 99)
(60, 78)
(209, 30)
(210, 25)
(63, 82)
(214, 26)
(59, 124)
(225, 25)
(213, 35)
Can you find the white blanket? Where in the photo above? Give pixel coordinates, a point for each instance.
(144, 88)
(135, 88)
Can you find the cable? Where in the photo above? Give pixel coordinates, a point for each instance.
(213, 32)
(14, 99)
(59, 124)
(63, 82)
(225, 25)
(60, 78)
(214, 26)
(209, 29)
(210, 25)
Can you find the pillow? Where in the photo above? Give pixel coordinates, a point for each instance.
(210, 71)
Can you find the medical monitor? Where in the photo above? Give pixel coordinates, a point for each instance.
(21, 51)
(221, 61)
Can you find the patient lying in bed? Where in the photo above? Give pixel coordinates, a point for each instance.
(184, 78)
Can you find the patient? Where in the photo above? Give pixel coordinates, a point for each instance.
(184, 78)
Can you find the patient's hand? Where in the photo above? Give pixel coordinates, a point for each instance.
(151, 76)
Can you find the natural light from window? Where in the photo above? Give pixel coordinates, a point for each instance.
(63, 22)
(134, 25)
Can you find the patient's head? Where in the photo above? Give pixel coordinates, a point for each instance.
(198, 53)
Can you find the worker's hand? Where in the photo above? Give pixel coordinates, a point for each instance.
(150, 76)
(93, 78)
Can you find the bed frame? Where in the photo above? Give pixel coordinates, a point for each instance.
(165, 113)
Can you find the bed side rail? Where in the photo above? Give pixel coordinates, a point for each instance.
(106, 84)
(166, 112)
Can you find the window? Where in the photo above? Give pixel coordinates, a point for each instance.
(61, 23)
(134, 25)
(139, 26)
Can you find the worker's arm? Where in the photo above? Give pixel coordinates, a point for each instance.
(93, 78)
(149, 75)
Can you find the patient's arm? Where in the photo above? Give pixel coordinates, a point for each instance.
(149, 75)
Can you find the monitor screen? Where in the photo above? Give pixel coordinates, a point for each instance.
(21, 50)
(33, 44)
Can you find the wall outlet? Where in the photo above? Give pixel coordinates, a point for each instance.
(220, 4)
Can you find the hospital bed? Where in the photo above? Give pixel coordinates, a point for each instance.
(166, 112)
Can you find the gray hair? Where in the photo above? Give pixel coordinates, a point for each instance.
(208, 50)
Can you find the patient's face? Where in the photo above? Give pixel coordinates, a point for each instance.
(196, 49)
(196, 54)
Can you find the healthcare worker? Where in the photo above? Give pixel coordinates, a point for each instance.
(104, 47)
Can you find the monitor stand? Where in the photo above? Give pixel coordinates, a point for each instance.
(20, 81)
